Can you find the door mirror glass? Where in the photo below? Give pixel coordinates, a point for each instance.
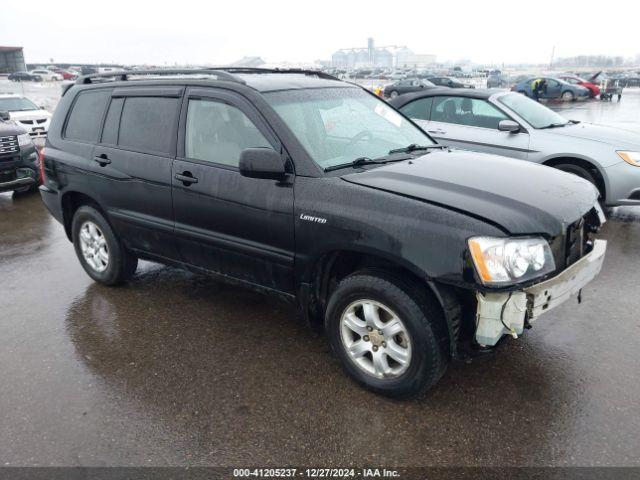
(4, 116)
(508, 126)
(261, 163)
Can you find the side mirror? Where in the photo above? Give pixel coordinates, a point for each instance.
(508, 126)
(5, 116)
(262, 163)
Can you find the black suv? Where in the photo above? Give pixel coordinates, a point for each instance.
(295, 183)
(19, 165)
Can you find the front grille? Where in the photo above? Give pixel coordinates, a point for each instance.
(8, 146)
(33, 122)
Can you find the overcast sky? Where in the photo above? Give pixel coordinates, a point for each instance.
(214, 32)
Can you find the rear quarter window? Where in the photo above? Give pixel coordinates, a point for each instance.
(86, 114)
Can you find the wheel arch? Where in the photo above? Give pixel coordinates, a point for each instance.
(328, 268)
(71, 201)
(585, 163)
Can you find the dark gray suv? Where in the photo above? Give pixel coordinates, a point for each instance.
(302, 186)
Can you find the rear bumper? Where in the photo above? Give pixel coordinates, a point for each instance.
(51, 200)
(501, 314)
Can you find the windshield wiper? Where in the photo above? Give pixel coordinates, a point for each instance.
(355, 163)
(554, 125)
(413, 147)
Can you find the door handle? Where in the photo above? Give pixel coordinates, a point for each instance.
(441, 132)
(102, 159)
(186, 178)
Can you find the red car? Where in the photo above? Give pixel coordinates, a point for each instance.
(65, 74)
(594, 90)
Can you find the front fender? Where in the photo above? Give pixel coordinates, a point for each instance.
(426, 239)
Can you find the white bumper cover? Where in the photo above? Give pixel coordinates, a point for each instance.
(499, 314)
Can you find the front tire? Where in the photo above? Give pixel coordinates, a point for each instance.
(101, 253)
(393, 94)
(385, 333)
(567, 96)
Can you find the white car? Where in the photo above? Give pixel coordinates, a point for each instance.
(46, 75)
(23, 111)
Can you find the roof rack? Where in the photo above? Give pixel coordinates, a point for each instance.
(223, 73)
(123, 75)
(303, 71)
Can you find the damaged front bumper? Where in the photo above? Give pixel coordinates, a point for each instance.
(505, 313)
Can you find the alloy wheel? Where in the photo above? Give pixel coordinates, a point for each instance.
(375, 339)
(93, 245)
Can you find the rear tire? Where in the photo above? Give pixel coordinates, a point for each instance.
(419, 344)
(101, 253)
(567, 96)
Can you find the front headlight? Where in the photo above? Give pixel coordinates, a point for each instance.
(632, 158)
(502, 261)
(24, 140)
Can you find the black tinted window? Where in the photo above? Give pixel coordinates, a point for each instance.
(218, 132)
(418, 109)
(110, 131)
(86, 116)
(148, 124)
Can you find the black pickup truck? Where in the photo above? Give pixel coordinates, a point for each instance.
(300, 185)
(19, 165)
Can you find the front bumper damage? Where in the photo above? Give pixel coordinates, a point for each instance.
(505, 313)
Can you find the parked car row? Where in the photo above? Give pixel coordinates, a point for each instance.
(566, 86)
(553, 89)
(407, 252)
(410, 85)
(46, 74)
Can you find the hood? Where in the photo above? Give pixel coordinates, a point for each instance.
(616, 137)
(30, 115)
(518, 196)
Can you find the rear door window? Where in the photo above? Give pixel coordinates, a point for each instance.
(148, 124)
(86, 115)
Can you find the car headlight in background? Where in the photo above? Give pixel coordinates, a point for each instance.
(24, 140)
(632, 158)
(501, 261)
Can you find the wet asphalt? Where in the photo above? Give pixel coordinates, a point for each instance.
(177, 369)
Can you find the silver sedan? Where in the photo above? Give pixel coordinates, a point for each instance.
(512, 125)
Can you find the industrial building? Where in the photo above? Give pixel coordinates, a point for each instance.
(392, 56)
(12, 60)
